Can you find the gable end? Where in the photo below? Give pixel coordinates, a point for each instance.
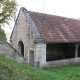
(38, 37)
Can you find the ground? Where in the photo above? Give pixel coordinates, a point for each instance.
(12, 70)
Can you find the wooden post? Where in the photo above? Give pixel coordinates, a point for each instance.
(76, 50)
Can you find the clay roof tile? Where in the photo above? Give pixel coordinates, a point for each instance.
(55, 28)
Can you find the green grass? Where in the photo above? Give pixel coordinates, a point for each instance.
(66, 73)
(12, 70)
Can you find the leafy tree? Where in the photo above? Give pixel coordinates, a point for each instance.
(7, 11)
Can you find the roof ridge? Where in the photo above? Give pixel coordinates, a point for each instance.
(52, 15)
(23, 8)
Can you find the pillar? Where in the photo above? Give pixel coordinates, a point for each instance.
(76, 50)
(40, 54)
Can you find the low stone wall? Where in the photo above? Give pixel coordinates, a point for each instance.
(64, 62)
(9, 51)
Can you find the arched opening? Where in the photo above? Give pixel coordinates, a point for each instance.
(21, 47)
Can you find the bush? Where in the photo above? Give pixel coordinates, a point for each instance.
(2, 35)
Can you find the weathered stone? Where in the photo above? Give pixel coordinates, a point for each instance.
(63, 62)
(9, 51)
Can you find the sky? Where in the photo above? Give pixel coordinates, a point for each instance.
(66, 8)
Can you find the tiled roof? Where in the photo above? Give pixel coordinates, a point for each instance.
(55, 28)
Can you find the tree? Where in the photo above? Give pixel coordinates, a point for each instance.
(7, 11)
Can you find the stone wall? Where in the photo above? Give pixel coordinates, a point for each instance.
(64, 62)
(22, 32)
(9, 51)
(39, 55)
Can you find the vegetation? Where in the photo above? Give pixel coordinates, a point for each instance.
(12, 70)
(2, 35)
(7, 11)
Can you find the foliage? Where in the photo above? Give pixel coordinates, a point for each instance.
(12, 70)
(7, 11)
(2, 35)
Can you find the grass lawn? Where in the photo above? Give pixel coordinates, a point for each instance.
(12, 70)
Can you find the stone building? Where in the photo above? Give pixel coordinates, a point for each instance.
(46, 40)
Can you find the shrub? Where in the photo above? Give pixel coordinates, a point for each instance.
(2, 35)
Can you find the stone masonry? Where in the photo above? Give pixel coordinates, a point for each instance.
(9, 51)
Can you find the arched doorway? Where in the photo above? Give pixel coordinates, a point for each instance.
(21, 47)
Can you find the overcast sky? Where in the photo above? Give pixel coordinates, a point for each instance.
(66, 8)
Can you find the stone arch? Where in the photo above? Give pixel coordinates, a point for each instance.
(21, 47)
